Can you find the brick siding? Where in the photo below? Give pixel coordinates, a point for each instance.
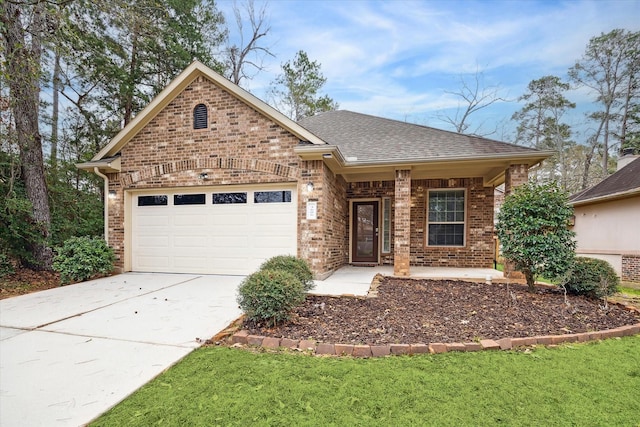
(631, 268)
(240, 146)
(402, 227)
(323, 241)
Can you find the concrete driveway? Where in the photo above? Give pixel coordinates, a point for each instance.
(69, 354)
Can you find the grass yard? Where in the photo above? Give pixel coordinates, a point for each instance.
(592, 384)
(629, 290)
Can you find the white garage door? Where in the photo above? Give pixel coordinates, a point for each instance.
(230, 231)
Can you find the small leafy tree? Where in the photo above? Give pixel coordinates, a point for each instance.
(296, 92)
(532, 228)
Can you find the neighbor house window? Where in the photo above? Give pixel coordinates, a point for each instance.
(272, 196)
(386, 225)
(446, 218)
(200, 117)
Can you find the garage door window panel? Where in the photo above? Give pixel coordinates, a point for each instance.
(161, 200)
(229, 198)
(272, 196)
(189, 199)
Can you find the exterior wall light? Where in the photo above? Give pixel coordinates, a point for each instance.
(309, 186)
(203, 175)
(112, 194)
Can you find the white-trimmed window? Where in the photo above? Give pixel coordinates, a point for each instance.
(446, 218)
(386, 225)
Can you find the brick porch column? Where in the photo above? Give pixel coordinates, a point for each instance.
(402, 227)
(514, 176)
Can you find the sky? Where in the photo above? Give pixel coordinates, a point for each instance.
(399, 59)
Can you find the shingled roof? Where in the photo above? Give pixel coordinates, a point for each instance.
(623, 182)
(369, 138)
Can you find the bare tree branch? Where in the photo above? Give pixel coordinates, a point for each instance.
(474, 96)
(238, 55)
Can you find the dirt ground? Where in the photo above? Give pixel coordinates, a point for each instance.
(424, 311)
(25, 281)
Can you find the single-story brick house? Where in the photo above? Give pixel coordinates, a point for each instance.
(607, 219)
(210, 179)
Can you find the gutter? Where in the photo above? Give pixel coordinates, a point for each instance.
(106, 202)
(537, 157)
(606, 198)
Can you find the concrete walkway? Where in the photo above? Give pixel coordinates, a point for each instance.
(69, 354)
(356, 280)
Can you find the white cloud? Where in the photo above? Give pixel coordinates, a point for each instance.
(397, 58)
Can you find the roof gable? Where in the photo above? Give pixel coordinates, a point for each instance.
(169, 93)
(622, 183)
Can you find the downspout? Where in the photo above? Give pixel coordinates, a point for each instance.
(106, 202)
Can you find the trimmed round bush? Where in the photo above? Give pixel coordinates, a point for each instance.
(81, 258)
(296, 266)
(270, 296)
(594, 278)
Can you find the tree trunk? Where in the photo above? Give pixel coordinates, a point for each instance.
(23, 73)
(132, 77)
(625, 115)
(57, 87)
(605, 148)
(531, 282)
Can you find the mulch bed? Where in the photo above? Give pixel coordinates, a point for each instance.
(446, 311)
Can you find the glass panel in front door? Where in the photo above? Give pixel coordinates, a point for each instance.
(366, 232)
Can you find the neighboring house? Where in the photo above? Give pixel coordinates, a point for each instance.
(210, 179)
(607, 219)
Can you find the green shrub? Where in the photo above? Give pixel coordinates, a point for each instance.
(81, 258)
(592, 277)
(296, 266)
(270, 295)
(532, 228)
(6, 266)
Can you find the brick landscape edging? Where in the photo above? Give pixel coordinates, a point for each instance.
(322, 348)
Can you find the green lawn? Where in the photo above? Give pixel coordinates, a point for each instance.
(593, 384)
(629, 291)
(500, 267)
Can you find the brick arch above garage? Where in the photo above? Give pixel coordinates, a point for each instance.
(287, 172)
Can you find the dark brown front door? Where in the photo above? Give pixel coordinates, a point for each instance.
(364, 232)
